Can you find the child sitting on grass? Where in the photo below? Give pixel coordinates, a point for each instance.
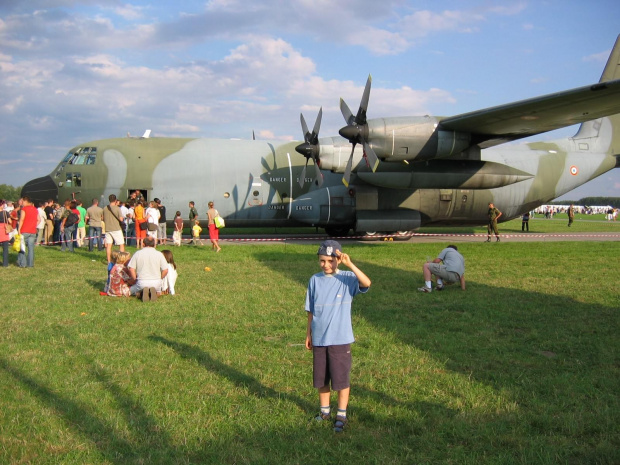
(119, 276)
(167, 284)
(329, 333)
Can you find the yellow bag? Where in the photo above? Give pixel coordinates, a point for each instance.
(17, 243)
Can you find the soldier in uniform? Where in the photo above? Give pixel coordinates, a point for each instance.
(494, 215)
(571, 215)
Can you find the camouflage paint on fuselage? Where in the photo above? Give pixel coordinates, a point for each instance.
(256, 183)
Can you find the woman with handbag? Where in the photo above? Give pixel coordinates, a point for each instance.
(214, 233)
(5, 229)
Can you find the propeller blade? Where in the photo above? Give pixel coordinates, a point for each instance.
(346, 112)
(371, 156)
(310, 148)
(360, 118)
(317, 174)
(317, 127)
(347, 172)
(304, 127)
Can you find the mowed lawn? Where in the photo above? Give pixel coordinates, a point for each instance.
(523, 367)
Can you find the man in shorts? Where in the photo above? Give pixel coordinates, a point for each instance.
(112, 218)
(329, 333)
(449, 267)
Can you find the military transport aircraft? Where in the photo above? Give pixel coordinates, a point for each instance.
(387, 175)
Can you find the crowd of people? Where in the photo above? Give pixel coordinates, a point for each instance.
(147, 274)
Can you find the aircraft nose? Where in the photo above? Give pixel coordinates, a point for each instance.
(40, 189)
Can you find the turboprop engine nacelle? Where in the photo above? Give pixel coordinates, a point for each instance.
(414, 139)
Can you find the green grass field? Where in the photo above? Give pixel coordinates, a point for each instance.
(523, 367)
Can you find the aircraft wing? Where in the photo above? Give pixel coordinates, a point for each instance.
(504, 123)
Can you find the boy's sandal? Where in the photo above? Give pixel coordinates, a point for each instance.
(339, 424)
(322, 416)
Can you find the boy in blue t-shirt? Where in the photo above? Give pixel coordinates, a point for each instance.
(330, 333)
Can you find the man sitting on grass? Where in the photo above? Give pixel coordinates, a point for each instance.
(452, 270)
(147, 267)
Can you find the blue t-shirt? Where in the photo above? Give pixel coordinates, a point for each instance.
(329, 299)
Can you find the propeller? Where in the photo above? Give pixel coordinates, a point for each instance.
(310, 148)
(356, 132)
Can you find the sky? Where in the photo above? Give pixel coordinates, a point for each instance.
(72, 71)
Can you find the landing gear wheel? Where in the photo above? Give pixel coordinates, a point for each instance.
(402, 235)
(368, 235)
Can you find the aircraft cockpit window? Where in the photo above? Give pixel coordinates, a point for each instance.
(92, 155)
(80, 159)
(73, 180)
(81, 156)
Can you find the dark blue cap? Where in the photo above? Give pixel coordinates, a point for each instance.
(329, 248)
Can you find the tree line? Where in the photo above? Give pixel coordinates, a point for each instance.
(590, 201)
(9, 192)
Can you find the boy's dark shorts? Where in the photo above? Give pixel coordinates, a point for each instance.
(332, 363)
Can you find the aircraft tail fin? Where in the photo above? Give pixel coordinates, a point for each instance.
(612, 69)
(605, 131)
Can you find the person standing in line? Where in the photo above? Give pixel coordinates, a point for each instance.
(214, 233)
(525, 222)
(571, 214)
(40, 223)
(5, 221)
(196, 230)
(139, 219)
(130, 225)
(27, 227)
(59, 210)
(152, 220)
(494, 214)
(113, 227)
(193, 213)
(48, 234)
(94, 217)
(81, 227)
(161, 225)
(178, 229)
(70, 219)
(329, 332)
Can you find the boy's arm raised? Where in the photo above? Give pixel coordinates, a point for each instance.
(361, 276)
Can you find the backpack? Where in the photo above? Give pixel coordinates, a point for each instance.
(72, 219)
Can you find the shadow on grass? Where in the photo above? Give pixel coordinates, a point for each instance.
(545, 350)
(111, 443)
(238, 378)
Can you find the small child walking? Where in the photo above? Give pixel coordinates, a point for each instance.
(329, 333)
(196, 230)
(167, 284)
(120, 280)
(178, 229)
